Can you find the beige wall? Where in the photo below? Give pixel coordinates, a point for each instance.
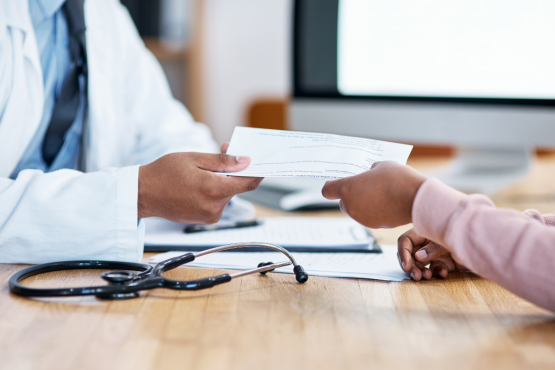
(246, 53)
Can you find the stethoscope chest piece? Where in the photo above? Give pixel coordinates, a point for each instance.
(118, 278)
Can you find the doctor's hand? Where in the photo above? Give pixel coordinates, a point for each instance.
(378, 198)
(182, 187)
(423, 258)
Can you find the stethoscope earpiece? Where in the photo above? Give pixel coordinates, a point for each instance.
(300, 274)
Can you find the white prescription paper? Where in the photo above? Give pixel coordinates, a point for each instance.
(377, 266)
(284, 231)
(276, 153)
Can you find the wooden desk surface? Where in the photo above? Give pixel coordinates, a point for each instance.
(272, 322)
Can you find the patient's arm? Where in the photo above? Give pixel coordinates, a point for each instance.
(505, 246)
(424, 258)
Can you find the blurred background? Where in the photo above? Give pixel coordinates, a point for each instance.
(227, 60)
(463, 79)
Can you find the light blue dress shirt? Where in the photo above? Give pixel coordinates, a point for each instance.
(51, 32)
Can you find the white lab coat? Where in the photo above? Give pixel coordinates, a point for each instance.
(132, 120)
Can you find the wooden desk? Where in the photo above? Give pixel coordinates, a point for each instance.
(272, 322)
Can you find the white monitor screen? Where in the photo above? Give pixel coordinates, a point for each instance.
(447, 48)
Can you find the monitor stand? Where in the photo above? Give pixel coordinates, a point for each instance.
(291, 194)
(485, 170)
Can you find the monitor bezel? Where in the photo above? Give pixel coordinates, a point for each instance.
(300, 92)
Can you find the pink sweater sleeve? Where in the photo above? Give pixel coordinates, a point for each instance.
(505, 246)
(544, 219)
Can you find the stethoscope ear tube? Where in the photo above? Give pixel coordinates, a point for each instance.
(17, 288)
(125, 284)
(172, 263)
(208, 282)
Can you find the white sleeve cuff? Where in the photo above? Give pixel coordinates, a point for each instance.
(130, 235)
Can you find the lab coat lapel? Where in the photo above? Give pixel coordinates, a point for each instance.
(23, 110)
(102, 142)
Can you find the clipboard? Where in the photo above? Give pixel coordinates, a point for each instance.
(296, 234)
(372, 248)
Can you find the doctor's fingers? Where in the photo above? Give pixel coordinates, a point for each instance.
(228, 186)
(221, 162)
(223, 148)
(407, 244)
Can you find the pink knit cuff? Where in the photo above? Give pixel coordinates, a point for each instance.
(433, 207)
(548, 219)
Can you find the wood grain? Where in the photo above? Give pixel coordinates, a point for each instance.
(271, 322)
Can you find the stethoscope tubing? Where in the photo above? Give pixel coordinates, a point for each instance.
(124, 284)
(17, 288)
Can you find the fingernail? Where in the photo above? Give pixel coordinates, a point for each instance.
(412, 275)
(242, 159)
(422, 254)
(403, 264)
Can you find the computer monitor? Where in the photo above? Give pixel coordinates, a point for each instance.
(476, 74)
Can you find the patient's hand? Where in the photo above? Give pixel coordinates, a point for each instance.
(183, 187)
(378, 198)
(416, 252)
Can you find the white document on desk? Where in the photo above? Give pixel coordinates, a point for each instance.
(377, 266)
(276, 153)
(284, 231)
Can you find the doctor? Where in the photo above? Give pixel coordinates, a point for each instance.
(79, 112)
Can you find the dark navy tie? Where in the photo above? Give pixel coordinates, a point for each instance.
(67, 103)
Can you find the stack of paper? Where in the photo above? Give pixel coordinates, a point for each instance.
(383, 266)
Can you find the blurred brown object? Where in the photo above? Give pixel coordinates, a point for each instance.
(165, 50)
(268, 113)
(194, 78)
(189, 59)
(545, 152)
(420, 150)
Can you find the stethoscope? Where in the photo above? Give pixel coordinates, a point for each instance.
(126, 284)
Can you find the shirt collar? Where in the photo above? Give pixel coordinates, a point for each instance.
(45, 9)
